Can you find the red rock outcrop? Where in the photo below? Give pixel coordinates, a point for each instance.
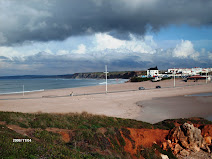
(207, 134)
(144, 137)
(186, 138)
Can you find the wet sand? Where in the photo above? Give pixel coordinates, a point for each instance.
(175, 107)
(117, 104)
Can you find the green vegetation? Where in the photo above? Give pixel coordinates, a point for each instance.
(68, 121)
(49, 145)
(149, 153)
(169, 123)
(167, 78)
(168, 153)
(87, 141)
(139, 79)
(87, 136)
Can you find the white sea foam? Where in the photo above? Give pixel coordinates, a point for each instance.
(41, 90)
(102, 83)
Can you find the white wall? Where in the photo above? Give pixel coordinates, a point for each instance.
(152, 73)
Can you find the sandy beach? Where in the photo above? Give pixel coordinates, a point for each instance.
(123, 100)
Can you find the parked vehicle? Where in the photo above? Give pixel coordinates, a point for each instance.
(156, 79)
(141, 88)
(158, 87)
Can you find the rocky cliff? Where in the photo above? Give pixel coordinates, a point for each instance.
(111, 75)
(91, 136)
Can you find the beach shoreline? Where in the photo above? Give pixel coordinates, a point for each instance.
(72, 83)
(120, 101)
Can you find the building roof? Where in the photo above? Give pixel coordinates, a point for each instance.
(153, 68)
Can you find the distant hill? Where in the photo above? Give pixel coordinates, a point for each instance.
(99, 75)
(111, 75)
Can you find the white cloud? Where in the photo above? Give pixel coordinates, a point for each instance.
(210, 55)
(141, 45)
(103, 42)
(62, 52)
(18, 67)
(48, 51)
(102, 45)
(80, 50)
(93, 47)
(185, 49)
(98, 49)
(195, 56)
(9, 52)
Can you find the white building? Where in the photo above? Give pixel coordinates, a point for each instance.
(151, 72)
(189, 71)
(181, 71)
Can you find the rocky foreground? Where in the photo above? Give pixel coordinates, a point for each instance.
(188, 141)
(91, 136)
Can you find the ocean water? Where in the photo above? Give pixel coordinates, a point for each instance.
(12, 86)
(209, 118)
(201, 95)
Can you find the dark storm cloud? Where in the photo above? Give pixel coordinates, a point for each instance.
(43, 20)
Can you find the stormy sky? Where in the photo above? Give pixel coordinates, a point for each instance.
(67, 36)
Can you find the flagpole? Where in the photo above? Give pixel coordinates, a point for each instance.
(206, 78)
(23, 90)
(174, 77)
(106, 79)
